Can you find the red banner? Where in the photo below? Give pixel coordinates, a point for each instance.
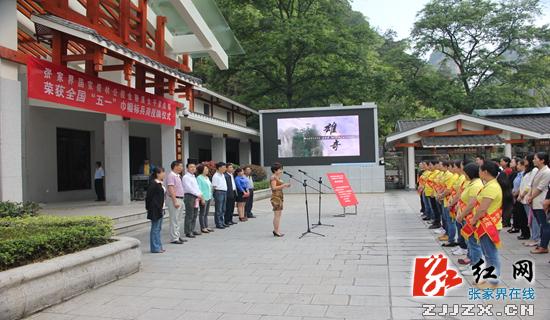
(341, 187)
(58, 84)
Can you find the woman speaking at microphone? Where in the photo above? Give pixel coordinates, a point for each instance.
(277, 186)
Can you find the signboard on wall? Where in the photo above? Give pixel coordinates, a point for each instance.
(179, 145)
(342, 189)
(58, 84)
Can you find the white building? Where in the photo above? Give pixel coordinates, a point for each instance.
(48, 149)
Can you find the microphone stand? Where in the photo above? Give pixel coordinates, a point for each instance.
(304, 183)
(321, 184)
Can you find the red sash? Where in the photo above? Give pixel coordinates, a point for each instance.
(467, 229)
(488, 226)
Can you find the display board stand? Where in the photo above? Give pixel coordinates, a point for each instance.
(344, 192)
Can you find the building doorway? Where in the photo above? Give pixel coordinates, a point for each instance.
(73, 160)
(138, 154)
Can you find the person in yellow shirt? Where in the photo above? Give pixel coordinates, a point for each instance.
(456, 193)
(493, 199)
(465, 206)
(442, 191)
(449, 179)
(424, 166)
(431, 193)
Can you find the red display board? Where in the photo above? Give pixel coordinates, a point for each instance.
(58, 84)
(343, 190)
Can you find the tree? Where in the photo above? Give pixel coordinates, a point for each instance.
(485, 39)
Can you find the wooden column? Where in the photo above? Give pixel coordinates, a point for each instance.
(159, 35)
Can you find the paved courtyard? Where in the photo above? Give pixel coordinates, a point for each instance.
(360, 270)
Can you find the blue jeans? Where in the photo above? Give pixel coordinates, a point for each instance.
(154, 236)
(219, 203)
(535, 227)
(490, 252)
(474, 250)
(461, 241)
(540, 215)
(427, 207)
(449, 224)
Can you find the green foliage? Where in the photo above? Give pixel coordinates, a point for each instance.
(18, 209)
(31, 239)
(258, 172)
(487, 41)
(261, 185)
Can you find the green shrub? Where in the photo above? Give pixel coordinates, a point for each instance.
(32, 239)
(258, 172)
(18, 209)
(260, 185)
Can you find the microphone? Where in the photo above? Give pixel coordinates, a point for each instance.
(288, 174)
(302, 171)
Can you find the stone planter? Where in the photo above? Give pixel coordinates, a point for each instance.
(262, 194)
(28, 289)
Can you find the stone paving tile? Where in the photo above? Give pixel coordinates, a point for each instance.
(360, 270)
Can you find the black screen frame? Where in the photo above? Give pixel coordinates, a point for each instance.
(367, 130)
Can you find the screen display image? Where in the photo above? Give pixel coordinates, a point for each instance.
(336, 136)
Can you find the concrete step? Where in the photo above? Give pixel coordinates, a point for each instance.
(136, 221)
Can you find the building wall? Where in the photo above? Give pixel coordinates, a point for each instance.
(240, 119)
(40, 155)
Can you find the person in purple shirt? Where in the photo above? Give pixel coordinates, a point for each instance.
(241, 182)
(174, 201)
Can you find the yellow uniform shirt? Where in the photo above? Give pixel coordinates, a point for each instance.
(458, 183)
(424, 177)
(493, 191)
(471, 190)
(449, 182)
(429, 191)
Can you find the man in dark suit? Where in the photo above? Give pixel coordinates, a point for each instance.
(231, 195)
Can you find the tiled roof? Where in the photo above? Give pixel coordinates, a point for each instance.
(116, 47)
(461, 141)
(404, 125)
(538, 123)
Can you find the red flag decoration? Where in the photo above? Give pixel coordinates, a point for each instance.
(58, 84)
(342, 189)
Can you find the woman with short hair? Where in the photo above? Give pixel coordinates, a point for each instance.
(241, 184)
(154, 203)
(277, 198)
(205, 187)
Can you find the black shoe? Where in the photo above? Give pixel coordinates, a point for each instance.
(277, 235)
(190, 235)
(183, 240)
(231, 223)
(434, 226)
(251, 216)
(523, 237)
(177, 242)
(226, 225)
(221, 227)
(196, 233)
(426, 218)
(450, 244)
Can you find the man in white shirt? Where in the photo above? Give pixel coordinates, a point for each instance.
(98, 182)
(220, 189)
(539, 188)
(192, 196)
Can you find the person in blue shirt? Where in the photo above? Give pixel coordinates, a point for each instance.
(241, 183)
(519, 216)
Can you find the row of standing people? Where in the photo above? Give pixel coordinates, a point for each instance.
(466, 202)
(188, 195)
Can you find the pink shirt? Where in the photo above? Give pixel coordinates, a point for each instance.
(174, 179)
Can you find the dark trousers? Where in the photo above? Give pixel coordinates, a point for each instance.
(249, 202)
(422, 208)
(190, 214)
(520, 219)
(229, 207)
(540, 215)
(219, 204)
(436, 210)
(99, 190)
(506, 218)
